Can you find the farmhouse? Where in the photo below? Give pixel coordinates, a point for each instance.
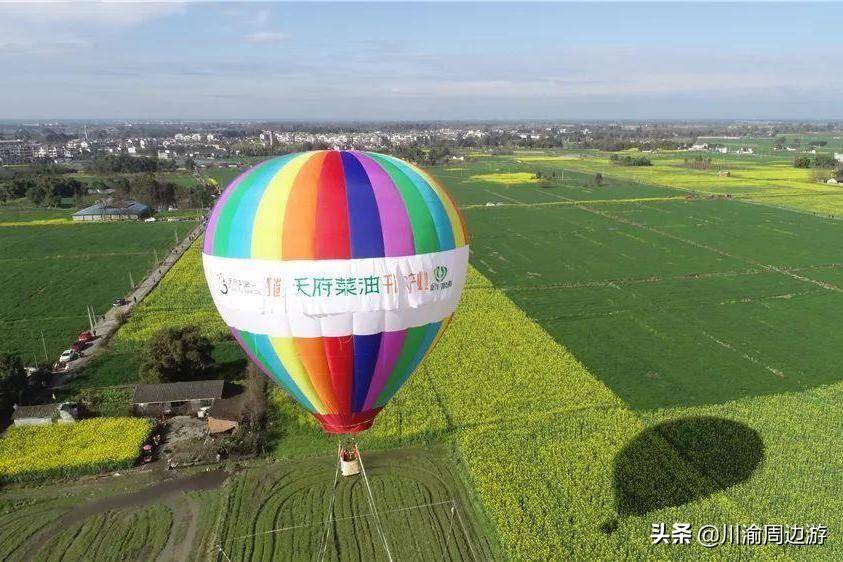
(182, 398)
(110, 209)
(44, 414)
(225, 414)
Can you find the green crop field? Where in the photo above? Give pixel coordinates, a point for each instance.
(51, 272)
(414, 492)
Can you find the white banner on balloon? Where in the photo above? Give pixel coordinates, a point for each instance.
(311, 298)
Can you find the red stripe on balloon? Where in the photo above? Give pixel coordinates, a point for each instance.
(297, 241)
(333, 236)
(339, 351)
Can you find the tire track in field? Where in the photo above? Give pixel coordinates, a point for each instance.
(710, 248)
(567, 202)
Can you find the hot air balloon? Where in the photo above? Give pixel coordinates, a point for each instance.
(337, 272)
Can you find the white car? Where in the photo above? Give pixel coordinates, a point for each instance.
(68, 355)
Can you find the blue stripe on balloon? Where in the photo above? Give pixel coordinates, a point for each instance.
(364, 220)
(429, 336)
(255, 184)
(266, 353)
(365, 358)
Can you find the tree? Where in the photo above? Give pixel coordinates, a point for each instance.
(824, 161)
(12, 380)
(801, 162)
(176, 354)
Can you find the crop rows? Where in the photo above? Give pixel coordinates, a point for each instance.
(413, 491)
(112, 536)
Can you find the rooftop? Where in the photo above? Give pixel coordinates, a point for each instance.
(37, 411)
(111, 207)
(178, 391)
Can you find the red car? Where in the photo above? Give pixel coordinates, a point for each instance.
(85, 337)
(78, 346)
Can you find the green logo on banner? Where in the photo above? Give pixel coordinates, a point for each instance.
(439, 273)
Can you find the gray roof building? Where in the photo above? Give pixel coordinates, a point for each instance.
(110, 209)
(41, 414)
(178, 392)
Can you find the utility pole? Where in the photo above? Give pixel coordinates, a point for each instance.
(131, 281)
(176, 232)
(156, 257)
(44, 344)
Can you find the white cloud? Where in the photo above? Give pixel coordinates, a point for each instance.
(113, 13)
(266, 37)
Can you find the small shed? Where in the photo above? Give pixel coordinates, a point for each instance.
(45, 414)
(225, 414)
(111, 209)
(177, 398)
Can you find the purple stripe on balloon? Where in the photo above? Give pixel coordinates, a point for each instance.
(208, 244)
(395, 222)
(390, 349)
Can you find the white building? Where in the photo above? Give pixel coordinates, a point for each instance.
(45, 414)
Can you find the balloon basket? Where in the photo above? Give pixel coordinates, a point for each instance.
(349, 459)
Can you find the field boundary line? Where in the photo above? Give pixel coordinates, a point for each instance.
(783, 271)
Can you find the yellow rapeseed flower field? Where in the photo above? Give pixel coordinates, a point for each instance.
(65, 450)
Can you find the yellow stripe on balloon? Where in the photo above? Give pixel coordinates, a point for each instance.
(269, 220)
(450, 207)
(285, 348)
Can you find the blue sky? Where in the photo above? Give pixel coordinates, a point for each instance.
(421, 61)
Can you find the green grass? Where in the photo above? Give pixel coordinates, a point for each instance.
(51, 272)
(223, 176)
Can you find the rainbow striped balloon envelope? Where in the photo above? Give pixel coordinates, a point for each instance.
(337, 271)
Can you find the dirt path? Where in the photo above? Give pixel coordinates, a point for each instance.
(209, 480)
(176, 550)
(109, 324)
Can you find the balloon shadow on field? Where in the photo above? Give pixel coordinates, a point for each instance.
(682, 460)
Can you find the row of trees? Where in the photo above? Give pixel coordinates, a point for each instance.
(817, 161)
(627, 160)
(154, 191)
(126, 164)
(41, 190)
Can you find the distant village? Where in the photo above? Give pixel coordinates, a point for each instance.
(209, 143)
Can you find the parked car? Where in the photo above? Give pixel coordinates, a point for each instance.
(78, 346)
(120, 301)
(85, 337)
(60, 367)
(68, 355)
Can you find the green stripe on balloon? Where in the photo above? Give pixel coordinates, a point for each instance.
(421, 220)
(412, 342)
(226, 220)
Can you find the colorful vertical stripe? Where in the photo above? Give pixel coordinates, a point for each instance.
(333, 205)
(330, 205)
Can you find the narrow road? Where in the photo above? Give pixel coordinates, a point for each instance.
(109, 323)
